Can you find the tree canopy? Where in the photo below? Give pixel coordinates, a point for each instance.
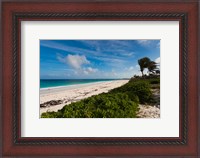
(143, 63)
(147, 63)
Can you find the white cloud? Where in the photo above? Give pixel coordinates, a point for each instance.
(157, 60)
(75, 61)
(85, 72)
(109, 59)
(60, 58)
(88, 70)
(62, 47)
(131, 68)
(101, 50)
(128, 54)
(149, 43)
(91, 70)
(158, 45)
(144, 42)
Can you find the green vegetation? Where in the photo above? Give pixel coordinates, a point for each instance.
(140, 88)
(143, 63)
(150, 65)
(100, 106)
(120, 102)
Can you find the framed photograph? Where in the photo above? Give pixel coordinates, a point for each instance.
(91, 78)
(100, 79)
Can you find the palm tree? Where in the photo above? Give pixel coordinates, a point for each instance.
(143, 63)
(152, 66)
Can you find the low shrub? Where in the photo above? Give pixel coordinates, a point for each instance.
(138, 88)
(116, 105)
(51, 115)
(154, 81)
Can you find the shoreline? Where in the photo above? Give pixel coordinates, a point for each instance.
(77, 84)
(65, 95)
(70, 87)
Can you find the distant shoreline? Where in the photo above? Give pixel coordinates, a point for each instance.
(59, 83)
(70, 87)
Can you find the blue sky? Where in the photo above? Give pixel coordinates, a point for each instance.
(94, 59)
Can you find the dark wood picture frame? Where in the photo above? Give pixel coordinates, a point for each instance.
(185, 12)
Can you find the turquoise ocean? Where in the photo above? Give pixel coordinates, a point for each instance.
(51, 83)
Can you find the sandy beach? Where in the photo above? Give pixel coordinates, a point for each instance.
(53, 99)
